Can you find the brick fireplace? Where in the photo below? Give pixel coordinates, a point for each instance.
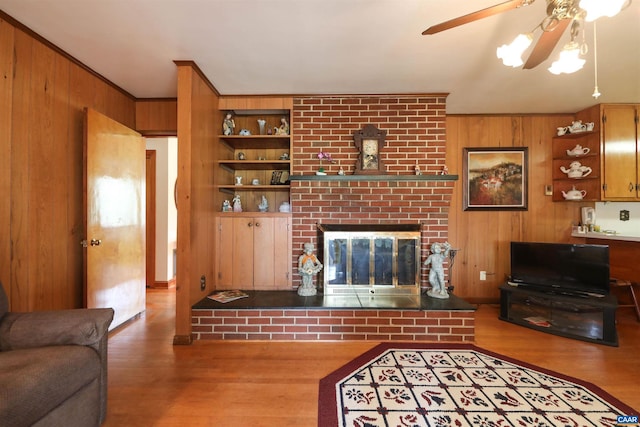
(415, 127)
(415, 136)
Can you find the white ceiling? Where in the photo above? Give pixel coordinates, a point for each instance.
(334, 46)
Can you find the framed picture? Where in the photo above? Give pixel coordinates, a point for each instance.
(495, 178)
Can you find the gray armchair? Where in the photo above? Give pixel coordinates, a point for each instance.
(53, 366)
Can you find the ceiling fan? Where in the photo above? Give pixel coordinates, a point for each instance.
(561, 14)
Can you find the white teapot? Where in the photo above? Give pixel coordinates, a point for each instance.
(576, 170)
(578, 150)
(577, 126)
(574, 194)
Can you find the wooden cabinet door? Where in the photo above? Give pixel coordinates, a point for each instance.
(224, 252)
(264, 253)
(272, 253)
(253, 252)
(242, 252)
(619, 151)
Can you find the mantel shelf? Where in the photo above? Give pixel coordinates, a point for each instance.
(373, 178)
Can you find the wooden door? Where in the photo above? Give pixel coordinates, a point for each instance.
(619, 152)
(114, 208)
(243, 253)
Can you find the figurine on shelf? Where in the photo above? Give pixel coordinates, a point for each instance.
(436, 273)
(228, 124)
(417, 170)
(263, 206)
(308, 266)
(226, 206)
(237, 204)
(261, 125)
(341, 171)
(445, 170)
(284, 127)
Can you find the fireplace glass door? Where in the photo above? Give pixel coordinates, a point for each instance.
(371, 262)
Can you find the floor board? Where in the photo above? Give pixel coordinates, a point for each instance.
(240, 383)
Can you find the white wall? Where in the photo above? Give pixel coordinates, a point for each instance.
(166, 213)
(608, 217)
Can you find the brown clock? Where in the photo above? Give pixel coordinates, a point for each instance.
(369, 141)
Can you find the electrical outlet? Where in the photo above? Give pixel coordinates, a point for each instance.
(483, 275)
(203, 282)
(624, 215)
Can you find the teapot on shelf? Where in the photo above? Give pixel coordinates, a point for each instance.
(577, 126)
(578, 150)
(576, 170)
(574, 194)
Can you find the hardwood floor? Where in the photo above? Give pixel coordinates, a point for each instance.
(223, 383)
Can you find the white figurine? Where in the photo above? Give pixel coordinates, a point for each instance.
(263, 206)
(436, 274)
(284, 127)
(226, 206)
(237, 204)
(308, 266)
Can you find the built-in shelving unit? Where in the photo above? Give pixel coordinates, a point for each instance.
(561, 159)
(262, 159)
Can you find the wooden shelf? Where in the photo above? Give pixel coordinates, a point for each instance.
(235, 188)
(237, 165)
(239, 142)
(373, 177)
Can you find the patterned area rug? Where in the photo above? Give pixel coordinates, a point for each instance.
(458, 385)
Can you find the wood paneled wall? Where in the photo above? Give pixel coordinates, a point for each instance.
(483, 237)
(157, 117)
(43, 93)
(198, 130)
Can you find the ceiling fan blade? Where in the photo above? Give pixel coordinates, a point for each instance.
(474, 16)
(547, 41)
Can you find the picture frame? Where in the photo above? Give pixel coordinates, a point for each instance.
(495, 178)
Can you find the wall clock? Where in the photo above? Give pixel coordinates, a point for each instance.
(369, 141)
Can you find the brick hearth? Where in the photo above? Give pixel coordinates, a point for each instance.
(279, 315)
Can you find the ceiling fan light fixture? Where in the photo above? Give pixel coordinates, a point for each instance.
(511, 54)
(569, 61)
(598, 8)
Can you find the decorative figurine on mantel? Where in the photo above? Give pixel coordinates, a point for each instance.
(417, 170)
(308, 266)
(228, 124)
(445, 170)
(237, 204)
(436, 274)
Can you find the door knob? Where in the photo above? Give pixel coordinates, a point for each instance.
(95, 242)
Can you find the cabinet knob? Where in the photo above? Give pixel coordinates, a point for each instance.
(249, 224)
(257, 224)
(631, 187)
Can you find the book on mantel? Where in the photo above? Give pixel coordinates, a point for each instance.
(227, 296)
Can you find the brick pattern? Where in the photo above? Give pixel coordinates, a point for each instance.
(333, 325)
(415, 128)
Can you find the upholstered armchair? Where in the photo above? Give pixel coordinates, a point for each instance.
(53, 366)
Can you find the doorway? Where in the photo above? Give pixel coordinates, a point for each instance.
(162, 216)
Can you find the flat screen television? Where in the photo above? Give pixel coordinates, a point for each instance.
(561, 267)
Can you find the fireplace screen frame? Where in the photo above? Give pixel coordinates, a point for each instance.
(371, 259)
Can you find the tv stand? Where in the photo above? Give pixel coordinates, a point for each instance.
(584, 317)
